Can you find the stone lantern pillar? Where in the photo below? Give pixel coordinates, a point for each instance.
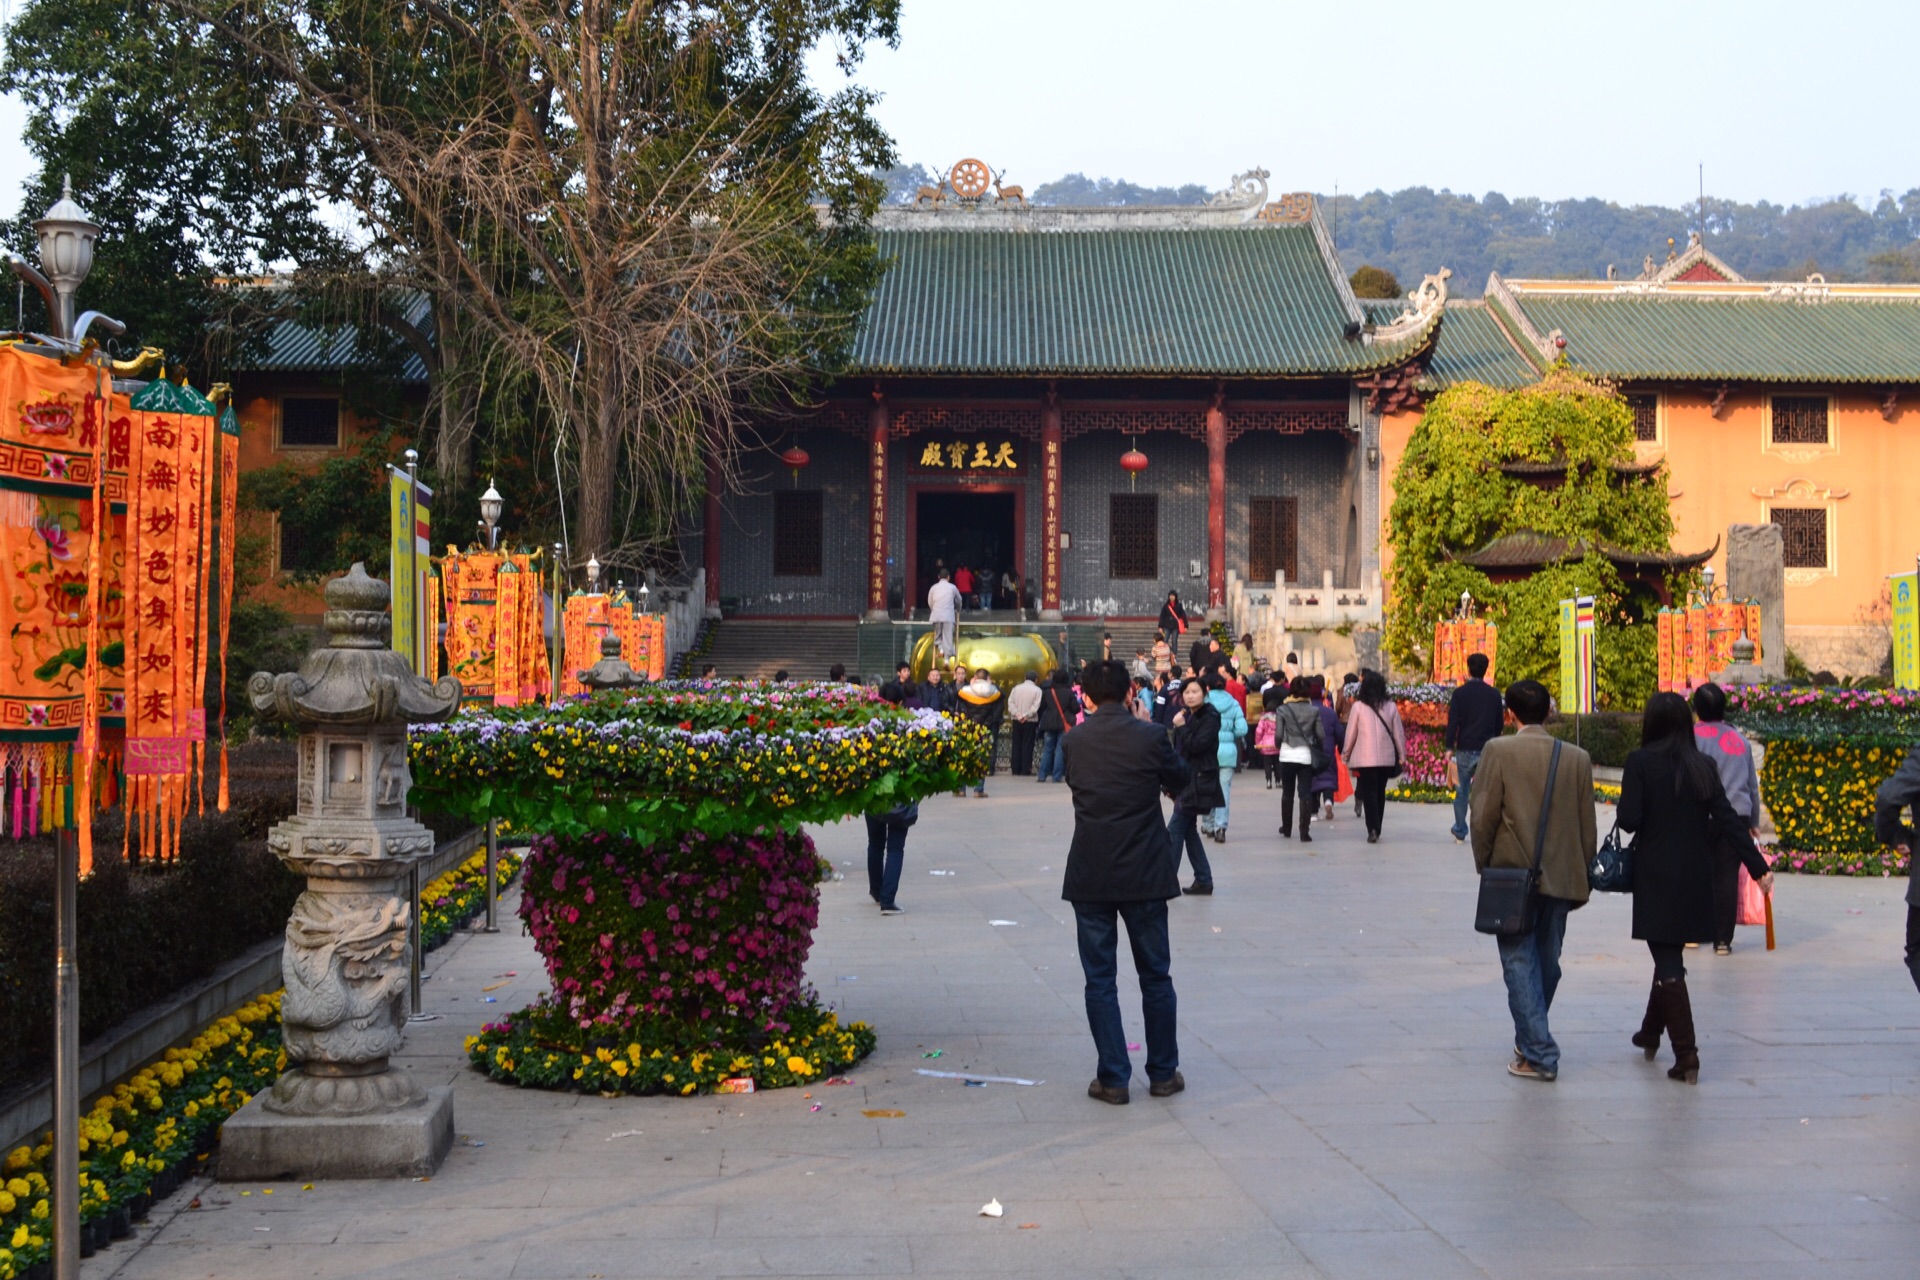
(342, 1110)
(612, 671)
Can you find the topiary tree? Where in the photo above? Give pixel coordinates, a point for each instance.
(1374, 282)
(671, 891)
(1452, 497)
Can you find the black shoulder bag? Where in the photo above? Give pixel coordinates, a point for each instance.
(1507, 894)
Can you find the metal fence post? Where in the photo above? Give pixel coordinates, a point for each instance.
(493, 873)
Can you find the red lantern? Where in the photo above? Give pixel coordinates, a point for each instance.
(1133, 462)
(795, 459)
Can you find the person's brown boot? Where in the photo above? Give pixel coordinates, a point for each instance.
(1677, 1007)
(1116, 1094)
(1647, 1038)
(1175, 1083)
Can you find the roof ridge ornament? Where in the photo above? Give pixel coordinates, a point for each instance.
(1246, 191)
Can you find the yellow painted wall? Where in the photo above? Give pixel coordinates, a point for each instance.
(1725, 471)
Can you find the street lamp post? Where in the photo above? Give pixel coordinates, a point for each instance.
(490, 505)
(66, 237)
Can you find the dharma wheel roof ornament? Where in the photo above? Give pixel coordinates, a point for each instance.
(357, 678)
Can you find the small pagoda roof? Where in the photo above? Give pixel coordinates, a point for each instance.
(1526, 549)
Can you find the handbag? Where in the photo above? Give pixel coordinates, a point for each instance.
(1752, 908)
(1343, 780)
(1612, 869)
(1508, 894)
(1390, 740)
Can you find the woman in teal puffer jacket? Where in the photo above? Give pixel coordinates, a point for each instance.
(1233, 727)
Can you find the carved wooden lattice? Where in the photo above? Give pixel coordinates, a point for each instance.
(1800, 420)
(969, 420)
(1646, 417)
(1804, 531)
(1133, 535)
(1081, 422)
(797, 533)
(1285, 422)
(1273, 539)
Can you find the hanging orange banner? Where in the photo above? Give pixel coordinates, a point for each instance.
(586, 622)
(172, 427)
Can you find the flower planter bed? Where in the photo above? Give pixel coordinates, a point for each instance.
(147, 1135)
(672, 893)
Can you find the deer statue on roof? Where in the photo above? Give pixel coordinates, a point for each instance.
(934, 195)
(1005, 194)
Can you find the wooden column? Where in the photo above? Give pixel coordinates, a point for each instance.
(1050, 509)
(879, 431)
(1217, 507)
(710, 531)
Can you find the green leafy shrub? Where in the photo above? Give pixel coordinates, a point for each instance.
(1607, 736)
(1451, 497)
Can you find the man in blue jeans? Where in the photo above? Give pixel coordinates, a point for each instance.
(1120, 866)
(1508, 796)
(1474, 718)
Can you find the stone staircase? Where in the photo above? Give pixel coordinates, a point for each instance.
(755, 648)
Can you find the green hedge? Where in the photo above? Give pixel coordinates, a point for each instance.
(148, 930)
(1607, 736)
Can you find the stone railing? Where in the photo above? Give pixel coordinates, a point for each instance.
(1275, 613)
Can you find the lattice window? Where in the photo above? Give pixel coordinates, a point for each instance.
(1080, 422)
(1800, 420)
(1273, 539)
(297, 549)
(1646, 417)
(1804, 531)
(797, 533)
(970, 421)
(1133, 535)
(309, 422)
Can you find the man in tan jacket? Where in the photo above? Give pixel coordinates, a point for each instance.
(1508, 790)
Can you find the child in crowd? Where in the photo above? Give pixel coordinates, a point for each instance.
(1266, 739)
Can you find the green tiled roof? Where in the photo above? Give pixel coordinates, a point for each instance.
(1248, 301)
(1752, 339)
(1473, 348)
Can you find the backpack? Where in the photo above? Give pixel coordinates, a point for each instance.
(1263, 735)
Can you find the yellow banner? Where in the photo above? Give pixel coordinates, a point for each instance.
(1906, 630)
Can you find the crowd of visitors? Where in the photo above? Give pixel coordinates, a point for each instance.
(1126, 735)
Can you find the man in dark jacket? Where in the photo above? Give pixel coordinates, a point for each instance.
(1474, 717)
(1896, 793)
(1120, 867)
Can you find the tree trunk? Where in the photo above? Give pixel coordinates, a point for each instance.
(599, 467)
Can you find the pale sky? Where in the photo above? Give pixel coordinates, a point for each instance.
(1787, 102)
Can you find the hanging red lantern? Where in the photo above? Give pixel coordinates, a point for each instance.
(795, 459)
(1133, 462)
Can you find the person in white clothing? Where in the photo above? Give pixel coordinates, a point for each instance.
(943, 610)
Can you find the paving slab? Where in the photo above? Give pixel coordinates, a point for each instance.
(1343, 1034)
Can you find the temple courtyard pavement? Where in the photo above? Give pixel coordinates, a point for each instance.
(1343, 1032)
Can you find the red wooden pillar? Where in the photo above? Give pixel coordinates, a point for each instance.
(710, 532)
(879, 430)
(1050, 509)
(1217, 506)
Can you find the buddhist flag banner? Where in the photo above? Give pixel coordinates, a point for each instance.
(585, 622)
(171, 425)
(1906, 630)
(1576, 656)
(410, 551)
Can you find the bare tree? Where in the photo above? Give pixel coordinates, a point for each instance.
(647, 207)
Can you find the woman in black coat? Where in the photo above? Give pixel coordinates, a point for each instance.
(1173, 619)
(1196, 740)
(1671, 794)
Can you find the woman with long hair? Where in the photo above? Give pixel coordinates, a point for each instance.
(1327, 781)
(1671, 794)
(1173, 618)
(1196, 740)
(1376, 748)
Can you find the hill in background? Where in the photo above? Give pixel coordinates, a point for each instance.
(1418, 230)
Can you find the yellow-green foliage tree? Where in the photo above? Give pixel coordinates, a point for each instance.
(1451, 497)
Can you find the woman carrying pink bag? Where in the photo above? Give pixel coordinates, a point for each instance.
(1736, 899)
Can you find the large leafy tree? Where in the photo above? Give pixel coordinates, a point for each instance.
(645, 208)
(184, 156)
(1451, 496)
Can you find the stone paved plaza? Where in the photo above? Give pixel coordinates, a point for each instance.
(1343, 1033)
